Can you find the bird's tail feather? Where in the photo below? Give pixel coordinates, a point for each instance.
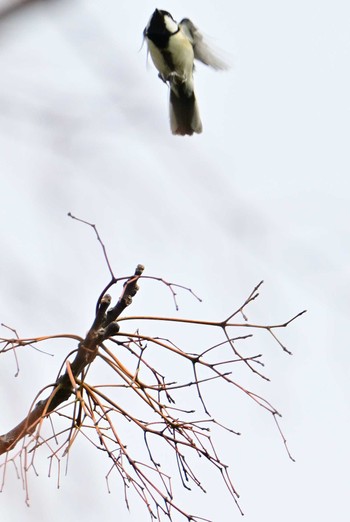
(184, 113)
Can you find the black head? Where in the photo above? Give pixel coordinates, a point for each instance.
(160, 27)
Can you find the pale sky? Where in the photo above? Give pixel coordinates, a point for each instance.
(263, 193)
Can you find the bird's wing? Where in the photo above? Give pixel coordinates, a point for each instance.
(202, 51)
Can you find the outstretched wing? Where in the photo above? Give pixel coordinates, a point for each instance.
(202, 51)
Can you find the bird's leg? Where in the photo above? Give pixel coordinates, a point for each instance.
(163, 78)
(174, 77)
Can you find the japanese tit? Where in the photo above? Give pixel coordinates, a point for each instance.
(173, 48)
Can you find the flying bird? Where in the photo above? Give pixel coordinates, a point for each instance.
(173, 48)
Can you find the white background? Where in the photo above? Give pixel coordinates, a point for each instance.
(263, 193)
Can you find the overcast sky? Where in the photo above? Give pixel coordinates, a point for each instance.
(263, 193)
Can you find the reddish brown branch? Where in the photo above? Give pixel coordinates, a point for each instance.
(103, 327)
(94, 408)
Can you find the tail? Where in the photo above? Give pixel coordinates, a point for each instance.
(184, 113)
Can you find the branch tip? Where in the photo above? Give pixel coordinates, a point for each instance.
(139, 270)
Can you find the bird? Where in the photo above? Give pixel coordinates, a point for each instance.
(173, 48)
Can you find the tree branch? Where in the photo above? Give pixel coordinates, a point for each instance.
(103, 327)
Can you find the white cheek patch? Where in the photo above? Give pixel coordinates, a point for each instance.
(170, 24)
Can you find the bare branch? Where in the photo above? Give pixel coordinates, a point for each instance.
(97, 413)
(103, 327)
(98, 239)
